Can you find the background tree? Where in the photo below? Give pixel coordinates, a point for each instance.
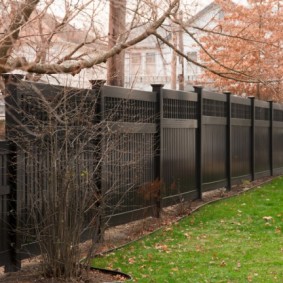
(244, 49)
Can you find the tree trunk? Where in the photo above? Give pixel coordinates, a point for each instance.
(181, 58)
(115, 64)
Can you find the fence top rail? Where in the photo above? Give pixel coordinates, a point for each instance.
(179, 95)
(4, 147)
(50, 91)
(240, 100)
(278, 106)
(127, 93)
(261, 103)
(214, 96)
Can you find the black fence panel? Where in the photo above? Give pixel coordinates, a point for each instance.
(278, 148)
(178, 164)
(178, 146)
(262, 162)
(214, 156)
(128, 168)
(241, 137)
(127, 175)
(241, 152)
(214, 146)
(55, 129)
(262, 138)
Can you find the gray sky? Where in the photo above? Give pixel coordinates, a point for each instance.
(192, 7)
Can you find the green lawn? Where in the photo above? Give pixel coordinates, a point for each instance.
(234, 240)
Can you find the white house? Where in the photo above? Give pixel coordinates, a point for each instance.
(146, 63)
(205, 19)
(150, 61)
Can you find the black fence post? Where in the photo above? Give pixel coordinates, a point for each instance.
(228, 141)
(11, 101)
(157, 88)
(199, 153)
(97, 86)
(12, 116)
(15, 260)
(271, 137)
(252, 153)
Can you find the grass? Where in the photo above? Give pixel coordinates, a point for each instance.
(234, 240)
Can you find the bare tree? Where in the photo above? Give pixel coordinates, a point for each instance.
(31, 38)
(117, 28)
(58, 138)
(62, 146)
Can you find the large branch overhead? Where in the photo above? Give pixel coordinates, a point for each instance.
(232, 36)
(226, 75)
(229, 74)
(12, 34)
(73, 68)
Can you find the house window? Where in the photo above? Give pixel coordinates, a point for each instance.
(150, 64)
(135, 59)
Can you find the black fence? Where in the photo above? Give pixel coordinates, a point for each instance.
(5, 194)
(160, 148)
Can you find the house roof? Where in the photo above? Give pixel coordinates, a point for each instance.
(166, 31)
(209, 8)
(151, 41)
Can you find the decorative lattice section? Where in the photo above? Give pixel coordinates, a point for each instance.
(129, 110)
(60, 106)
(179, 109)
(31, 109)
(214, 108)
(262, 113)
(241, 111)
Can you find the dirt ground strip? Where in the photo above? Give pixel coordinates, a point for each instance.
(124, 234)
